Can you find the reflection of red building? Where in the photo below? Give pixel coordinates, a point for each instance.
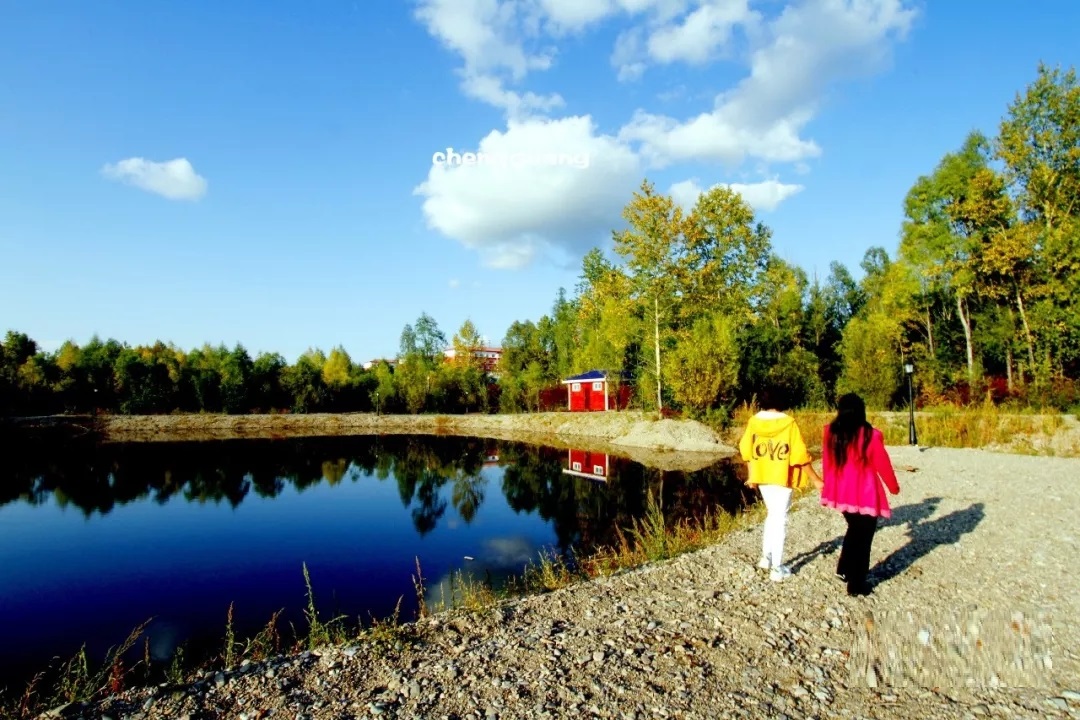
(591, 391)
(591, 465)
(491, 460)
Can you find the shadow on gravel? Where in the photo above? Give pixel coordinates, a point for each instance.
(825, 548)
(924, 534)
(911, 515)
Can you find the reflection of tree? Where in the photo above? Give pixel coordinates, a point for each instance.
(430, 473)
(467, 495)
(533, 481)
(334, 470)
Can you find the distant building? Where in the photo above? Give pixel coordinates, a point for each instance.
(372, 363)
(488, 356)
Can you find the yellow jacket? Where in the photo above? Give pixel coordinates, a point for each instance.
(774, 449)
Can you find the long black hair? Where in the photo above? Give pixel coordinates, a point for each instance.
(844, 430)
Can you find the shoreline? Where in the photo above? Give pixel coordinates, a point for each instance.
(706, 635)
(670, 445)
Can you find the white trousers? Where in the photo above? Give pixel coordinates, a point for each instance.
(777, 501)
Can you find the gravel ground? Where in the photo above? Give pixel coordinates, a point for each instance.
(974, 614)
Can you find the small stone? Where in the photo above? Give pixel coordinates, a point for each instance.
(219, 679)
(871, 678)
(981, 710)
(351, 650)
(1058, 703)
(377, 708)
(598, 656)
(1071, 696)
(924, 637)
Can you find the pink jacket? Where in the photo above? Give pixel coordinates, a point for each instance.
(857, 487)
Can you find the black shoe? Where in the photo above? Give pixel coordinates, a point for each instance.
(856, 589)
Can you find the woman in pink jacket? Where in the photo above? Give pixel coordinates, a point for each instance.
(855, 466)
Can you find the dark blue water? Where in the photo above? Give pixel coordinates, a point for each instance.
(95, 540)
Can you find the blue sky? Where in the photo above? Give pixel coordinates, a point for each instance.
(261, 172)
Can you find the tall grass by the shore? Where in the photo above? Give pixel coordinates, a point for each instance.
(651, 539)
(1027, 432)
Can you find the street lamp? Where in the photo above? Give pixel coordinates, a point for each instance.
(378, 408)
(909, 370)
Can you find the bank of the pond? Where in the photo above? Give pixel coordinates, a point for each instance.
(667, 444)
(973, 616)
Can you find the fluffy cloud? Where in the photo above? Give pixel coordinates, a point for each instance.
(175, 179)
(807, 48)
(696, 38)
(763, 196)
(490, 36)
(512, 215)
(501, 41)
(793, 57)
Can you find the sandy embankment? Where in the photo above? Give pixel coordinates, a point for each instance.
(684, 445)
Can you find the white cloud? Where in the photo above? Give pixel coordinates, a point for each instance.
(490, 37)
(501, 41)
(696, 38)
(175, 179)
(564, 16)
(514, 215)
(763, 196)
(806, 49)
(455, 283)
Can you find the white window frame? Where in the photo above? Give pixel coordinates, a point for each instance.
(576, 387)
(598, 386)
(575, 466)
(597, 469)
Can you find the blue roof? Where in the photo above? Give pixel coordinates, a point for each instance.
(591, 375)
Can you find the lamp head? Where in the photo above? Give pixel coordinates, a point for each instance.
(909, 368)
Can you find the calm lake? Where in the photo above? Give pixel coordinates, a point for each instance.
(97, 539)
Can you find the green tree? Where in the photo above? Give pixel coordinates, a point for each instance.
(704, 367)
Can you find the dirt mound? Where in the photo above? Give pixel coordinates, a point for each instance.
(676, 435)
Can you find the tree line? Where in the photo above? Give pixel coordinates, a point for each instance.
(112, 376)
(698, 313)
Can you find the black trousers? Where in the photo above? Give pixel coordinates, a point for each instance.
(854, 561)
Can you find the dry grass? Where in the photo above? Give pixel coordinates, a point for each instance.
(981, 426)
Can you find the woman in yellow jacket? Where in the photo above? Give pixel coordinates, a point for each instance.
(779, 463)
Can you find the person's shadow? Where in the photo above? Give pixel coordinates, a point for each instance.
(924, 534)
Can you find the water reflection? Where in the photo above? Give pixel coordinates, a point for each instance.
(94, 540)
(590, 465)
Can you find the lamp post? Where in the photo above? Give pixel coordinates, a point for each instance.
(378, 406)
(909, 370)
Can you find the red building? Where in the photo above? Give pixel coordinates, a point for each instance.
(591, 391)
(591, 465)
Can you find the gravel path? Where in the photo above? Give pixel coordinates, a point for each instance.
(971, 617)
